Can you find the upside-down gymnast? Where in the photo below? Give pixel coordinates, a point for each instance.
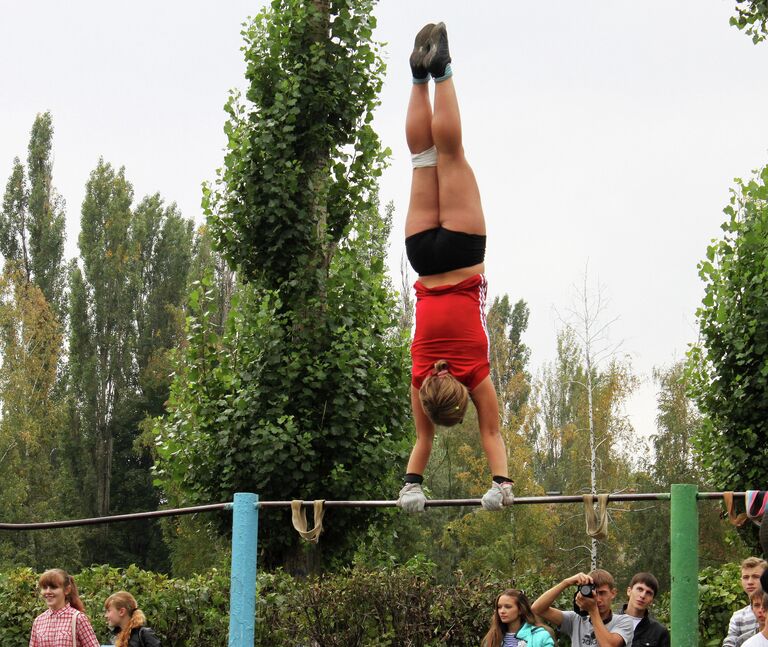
(445, 243)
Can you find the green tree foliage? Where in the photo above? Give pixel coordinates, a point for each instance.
(32, 220)
(102, 295)
(729, 366)
(671, 459)
(222, 285)
(248, 413)
(752, 18)
(302, 157)
(560, 436)
(305, 393)
(33, 485)
(509, 357)
(124, 317)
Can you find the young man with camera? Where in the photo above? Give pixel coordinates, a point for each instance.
(591, 623)
(641, 593)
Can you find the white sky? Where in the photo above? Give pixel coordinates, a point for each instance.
(606, 132)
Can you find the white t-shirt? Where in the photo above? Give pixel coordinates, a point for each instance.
(758, 640)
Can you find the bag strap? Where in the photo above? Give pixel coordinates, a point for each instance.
(74, 628)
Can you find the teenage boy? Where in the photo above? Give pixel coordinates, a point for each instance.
(599, 626)
(743, 622)
(641, 593)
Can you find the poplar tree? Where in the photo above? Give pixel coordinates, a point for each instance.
(125, 298)
(34, 481)
(305, 393)
(32, 221)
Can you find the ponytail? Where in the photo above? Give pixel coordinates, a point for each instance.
(124, 600)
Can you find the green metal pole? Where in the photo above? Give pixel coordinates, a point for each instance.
(684, 560)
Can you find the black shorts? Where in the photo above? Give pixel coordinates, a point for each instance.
(438, 250)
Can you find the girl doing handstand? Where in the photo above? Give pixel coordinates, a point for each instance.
(445, 243)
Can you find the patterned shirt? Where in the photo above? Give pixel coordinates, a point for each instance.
(510, 640)
(54, 629)
(743, 624)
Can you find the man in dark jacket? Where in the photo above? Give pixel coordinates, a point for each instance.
(641, 592)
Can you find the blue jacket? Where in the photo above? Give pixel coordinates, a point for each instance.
(535, 636)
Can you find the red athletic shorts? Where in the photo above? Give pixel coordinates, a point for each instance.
(450, 325)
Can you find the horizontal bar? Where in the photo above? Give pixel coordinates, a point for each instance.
(172, 512)
(445, 503)
(431, 503)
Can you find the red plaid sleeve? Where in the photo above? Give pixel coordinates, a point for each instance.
(86, 637)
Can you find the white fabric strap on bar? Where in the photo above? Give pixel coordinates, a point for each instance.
(425, 158)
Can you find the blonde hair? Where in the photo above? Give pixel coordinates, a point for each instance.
(754, 562)
(124, 600)
(443, 398)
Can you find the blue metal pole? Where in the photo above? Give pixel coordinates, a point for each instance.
(242, 592)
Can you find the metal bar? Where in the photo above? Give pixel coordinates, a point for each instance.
(242, 592)
(43, 525)
(442, 503)
(684, 566)
(433, 503)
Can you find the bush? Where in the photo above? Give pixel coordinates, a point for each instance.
(403, 606)
(720, 594)
(183, 612)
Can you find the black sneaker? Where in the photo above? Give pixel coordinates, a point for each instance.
(421, 47)
(438, 58)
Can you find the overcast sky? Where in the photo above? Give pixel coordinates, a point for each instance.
(605, 133)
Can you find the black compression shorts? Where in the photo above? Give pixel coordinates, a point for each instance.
(439, 250)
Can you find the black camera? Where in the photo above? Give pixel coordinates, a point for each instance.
(587, 591)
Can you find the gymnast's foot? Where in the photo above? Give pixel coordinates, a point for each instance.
(421, 48)
(498, 496)
(438, 59)
(411, 498)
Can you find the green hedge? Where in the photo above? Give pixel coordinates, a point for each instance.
(193, 611)
(720, 594)
(400, 607)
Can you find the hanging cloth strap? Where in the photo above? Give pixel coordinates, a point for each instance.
(735, 519)
(756, 503)
(299, 519)
(74, 628)
(597, 523)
